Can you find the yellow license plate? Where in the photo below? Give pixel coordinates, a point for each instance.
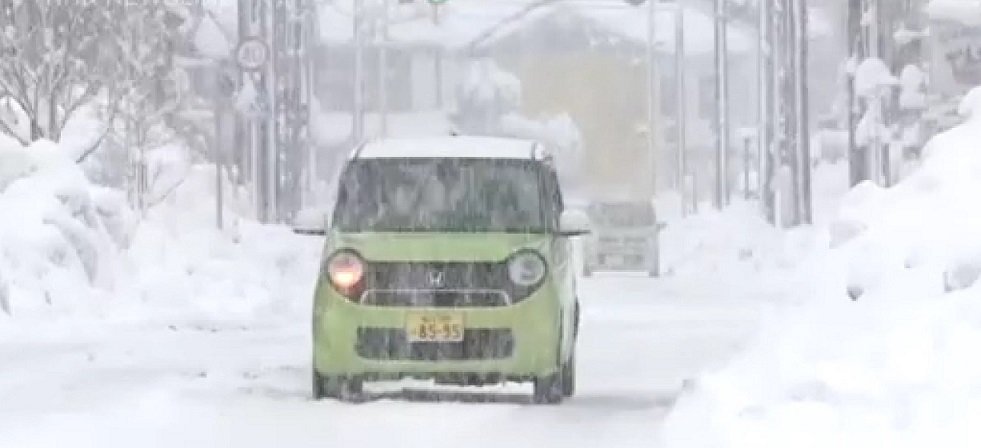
(434, 327)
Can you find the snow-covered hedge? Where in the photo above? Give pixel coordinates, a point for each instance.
(896, 367)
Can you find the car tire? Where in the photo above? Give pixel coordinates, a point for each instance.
(568, 377)
(319, 387)
(548, 390)
(655, 271)
(655, 263)
(348, 389)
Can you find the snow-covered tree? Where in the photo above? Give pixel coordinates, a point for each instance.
(486, 94)
(62, 57)
(49, 71)
(489, 103)
(145, 95)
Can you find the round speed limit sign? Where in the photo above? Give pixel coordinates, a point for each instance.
(252, 54)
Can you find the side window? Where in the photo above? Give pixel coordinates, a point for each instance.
(341, 202)
(553, 198)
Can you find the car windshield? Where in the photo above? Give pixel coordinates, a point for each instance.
(440, 195)
(622, 214)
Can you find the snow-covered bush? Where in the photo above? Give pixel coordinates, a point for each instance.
(897, 367)
(59, 235)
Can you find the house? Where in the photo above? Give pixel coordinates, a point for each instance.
(586, 58)
(600, 51)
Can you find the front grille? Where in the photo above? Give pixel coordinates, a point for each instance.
(426, 275)
(391, 344)
(442, 284)
(435, 298)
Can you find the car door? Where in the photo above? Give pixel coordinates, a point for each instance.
(563, 267)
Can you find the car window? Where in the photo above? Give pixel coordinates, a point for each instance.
(441, 195)
(628, 214)
(552, 198)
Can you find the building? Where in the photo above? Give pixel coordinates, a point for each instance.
(586, 58)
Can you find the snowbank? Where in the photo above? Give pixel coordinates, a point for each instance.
(896, 367)
(71, 249)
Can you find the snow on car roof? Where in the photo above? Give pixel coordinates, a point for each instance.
(451, 147)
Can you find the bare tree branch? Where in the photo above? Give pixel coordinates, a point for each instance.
(10, 132)
(95, 145)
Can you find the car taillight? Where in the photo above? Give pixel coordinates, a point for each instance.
(345, 270)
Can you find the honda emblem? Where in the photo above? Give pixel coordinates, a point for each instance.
(436, 279)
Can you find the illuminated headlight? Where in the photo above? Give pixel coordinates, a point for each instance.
(345, 270)
(526, 268)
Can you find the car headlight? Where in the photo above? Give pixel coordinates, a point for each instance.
(526, 268)
(345, 270)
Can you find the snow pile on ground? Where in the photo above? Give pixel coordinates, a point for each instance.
(69, 248)
(729, 246)
(243, 270)
(896, 367)
(737, 243)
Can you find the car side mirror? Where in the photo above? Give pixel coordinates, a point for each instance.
(574, 223)
(311, 221)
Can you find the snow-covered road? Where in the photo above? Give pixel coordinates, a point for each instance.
(186, 381)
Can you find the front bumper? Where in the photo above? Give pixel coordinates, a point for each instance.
(518, 341)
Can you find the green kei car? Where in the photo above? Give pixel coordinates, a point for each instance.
(447, 259)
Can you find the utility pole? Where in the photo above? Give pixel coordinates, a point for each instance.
(312, 35)
(271, 156)
(652, 91)
(222, 96)
(857, 159)
(293, 105)
(779, 111)
(383, 70)
(358, 128)
(788, 164)
(875, 149)
(765, 127)
(805, 213)
(722, 105)
(255, 62)
(681, 110)
(273, 57)
(791, 70)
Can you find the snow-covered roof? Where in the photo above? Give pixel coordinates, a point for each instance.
(459, 22)
(967, 12)
(631, 24)
(465, 23)
(450, 147)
